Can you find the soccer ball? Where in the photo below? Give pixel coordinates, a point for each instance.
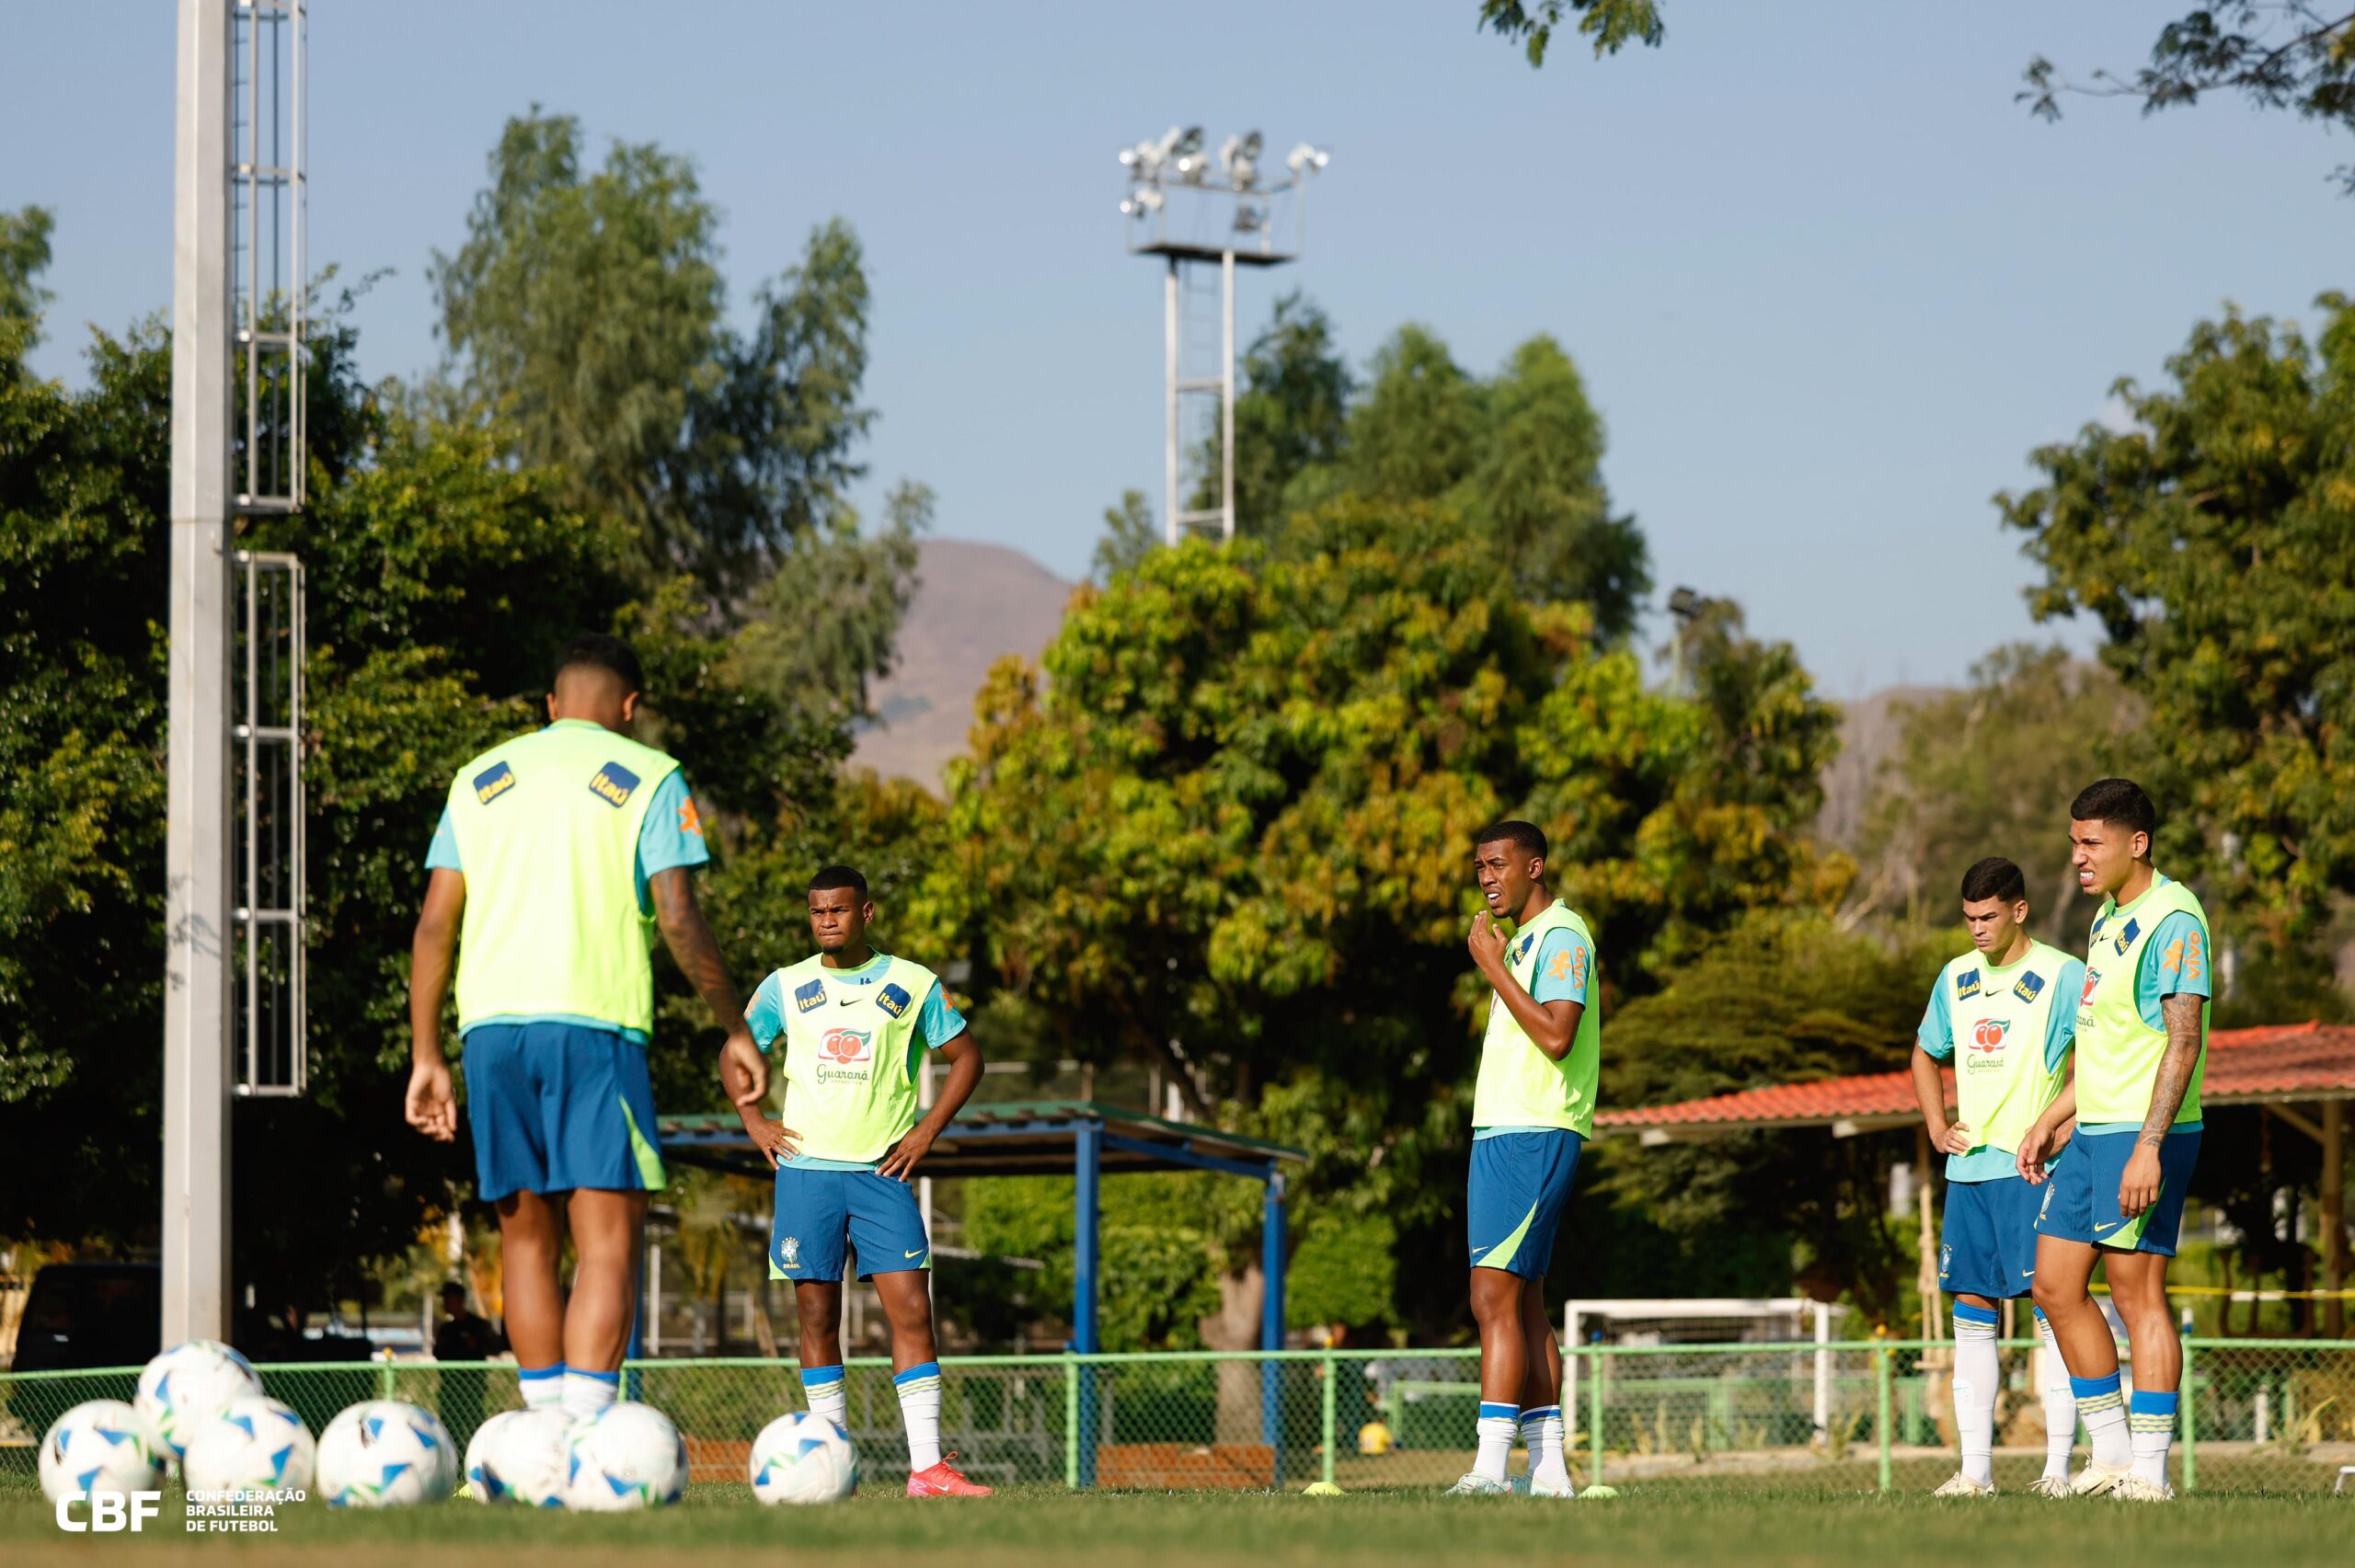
(384, 1454)
(520, 1457)
(101, 1444)
(626, 1456)
(181, 1391)
(255, 1445)
(803, 1458)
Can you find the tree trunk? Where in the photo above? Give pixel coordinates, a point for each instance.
(1235, 1326)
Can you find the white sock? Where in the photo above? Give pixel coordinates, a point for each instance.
(1495, 1429)
(1542, 1430)
(823, 1387)
(543, 1386)
(2060, 1405)
(2151, 1420)
(1977, 1369)
(2103, 1410)
(586, 1393)
(919, 1392)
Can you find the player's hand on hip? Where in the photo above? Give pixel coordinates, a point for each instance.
(743, 1071)
(432, 1103)
(902, 1160)
(774, 1139)
(1958, 1141)
(2139, 1187)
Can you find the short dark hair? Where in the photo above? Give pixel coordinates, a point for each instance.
(834, 876)
(1526, 837)
(449, 1285)
(1994, 877)
(2121, 803)
(602, 652)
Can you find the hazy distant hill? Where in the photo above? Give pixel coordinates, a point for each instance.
(974, 603)
(1868, 734)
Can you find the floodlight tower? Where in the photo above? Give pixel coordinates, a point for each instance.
(1194, 217)
(233, 904)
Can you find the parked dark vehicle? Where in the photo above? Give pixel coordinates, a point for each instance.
(91, 1314)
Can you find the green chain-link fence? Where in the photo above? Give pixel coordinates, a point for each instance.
(2275, 1415)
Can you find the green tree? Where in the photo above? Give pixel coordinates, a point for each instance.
(1129, 537)
(24, 256)
(1611, 24)
(2213, 541)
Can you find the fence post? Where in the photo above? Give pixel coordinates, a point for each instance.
(1332, 1424)
(384, 1377)
(1070, 1421)
(1594, 1414)
(1884, 1378)
(2191, 1417)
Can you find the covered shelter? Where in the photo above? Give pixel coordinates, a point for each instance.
(2302, 1075)
(1084, 1139)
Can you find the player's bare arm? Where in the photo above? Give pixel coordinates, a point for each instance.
(1930, 1093)
(2139, 1187)
(964, 1060)
(743, 1072)
(433, 1102)
(1552, 1026)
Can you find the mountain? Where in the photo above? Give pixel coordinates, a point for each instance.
(973, 605)
(1869, 733)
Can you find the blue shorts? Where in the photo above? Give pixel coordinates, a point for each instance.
(2081, 1198)
(556, 1107)
(817, 1211)
(1521, 1183)
(1987, 1241)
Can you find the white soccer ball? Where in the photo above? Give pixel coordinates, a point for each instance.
(803, 1458)
(101, 1444)
(181, 1391)
(626, 1456)
(255, 1445)
(522, 1456)
(384, 1454)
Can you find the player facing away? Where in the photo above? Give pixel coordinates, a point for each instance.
(553, 852)
(2004, 1015)
(856, 1024)
(1532, 1113)
(2117, 1193)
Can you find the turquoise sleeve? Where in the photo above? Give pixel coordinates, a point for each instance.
(764, 1015)
(1935, 1035)
(441, 854)
(2061, 1020)
(938, 1022)
(1563, 966)
(671, 835)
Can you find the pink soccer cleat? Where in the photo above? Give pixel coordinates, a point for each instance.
(944, 1479)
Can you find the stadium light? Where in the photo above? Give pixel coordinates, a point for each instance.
(1239, 156)
(1306, 159)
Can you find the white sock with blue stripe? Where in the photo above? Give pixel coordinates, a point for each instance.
(2059, 1404)
(1977, 1369)
(2103, 1410)
(2150, 1420)
(919, 1392)
(1497, 1425)
(543, 1386)
(1542, 1430)
(587, 1395)
(823, 1387)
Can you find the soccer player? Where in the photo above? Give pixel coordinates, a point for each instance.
(2117, 1193)
(551, 853)
(847, 1140)
(2010, 1003)
(1532, 1113)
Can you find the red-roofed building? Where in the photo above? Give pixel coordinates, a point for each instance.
(2303, 1074)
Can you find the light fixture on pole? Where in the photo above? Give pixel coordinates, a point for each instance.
(1179, 210)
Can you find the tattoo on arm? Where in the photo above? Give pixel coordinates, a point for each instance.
(2174, 1080)
(696, 950)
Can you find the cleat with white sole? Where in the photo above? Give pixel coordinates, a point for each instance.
(2098, 1478)
(1961, 1485)
(2050, 1486)
(2135, 1489)
(1474, 1484)
(1541, 1487)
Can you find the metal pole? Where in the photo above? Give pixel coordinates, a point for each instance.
(1071, 1422)
(1271, 1319)
(1884, 1378)
(1329, 1417)
(2189, 1408)
(1090, 1147)
(197, 836)
(2334, 1219)
(1822, 1370)
(1594, 1415)
(1227, 400)
(1169, 403)
(1570, 1365)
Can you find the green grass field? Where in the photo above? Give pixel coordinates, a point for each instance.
(1050, 1527)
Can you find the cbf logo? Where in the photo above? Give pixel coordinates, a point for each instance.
(109, 1512)
(1946, 1261)
(788, 1253)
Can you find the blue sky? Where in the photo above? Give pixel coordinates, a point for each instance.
(1828, 283)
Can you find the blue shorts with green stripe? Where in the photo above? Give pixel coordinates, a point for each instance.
(1521, 1183)
(559, 1107)
(2081, 1196)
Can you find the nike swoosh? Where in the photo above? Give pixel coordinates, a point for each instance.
(2111, 1226)
(2027, 1274)
(918, 1254)
(1477, 1251)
